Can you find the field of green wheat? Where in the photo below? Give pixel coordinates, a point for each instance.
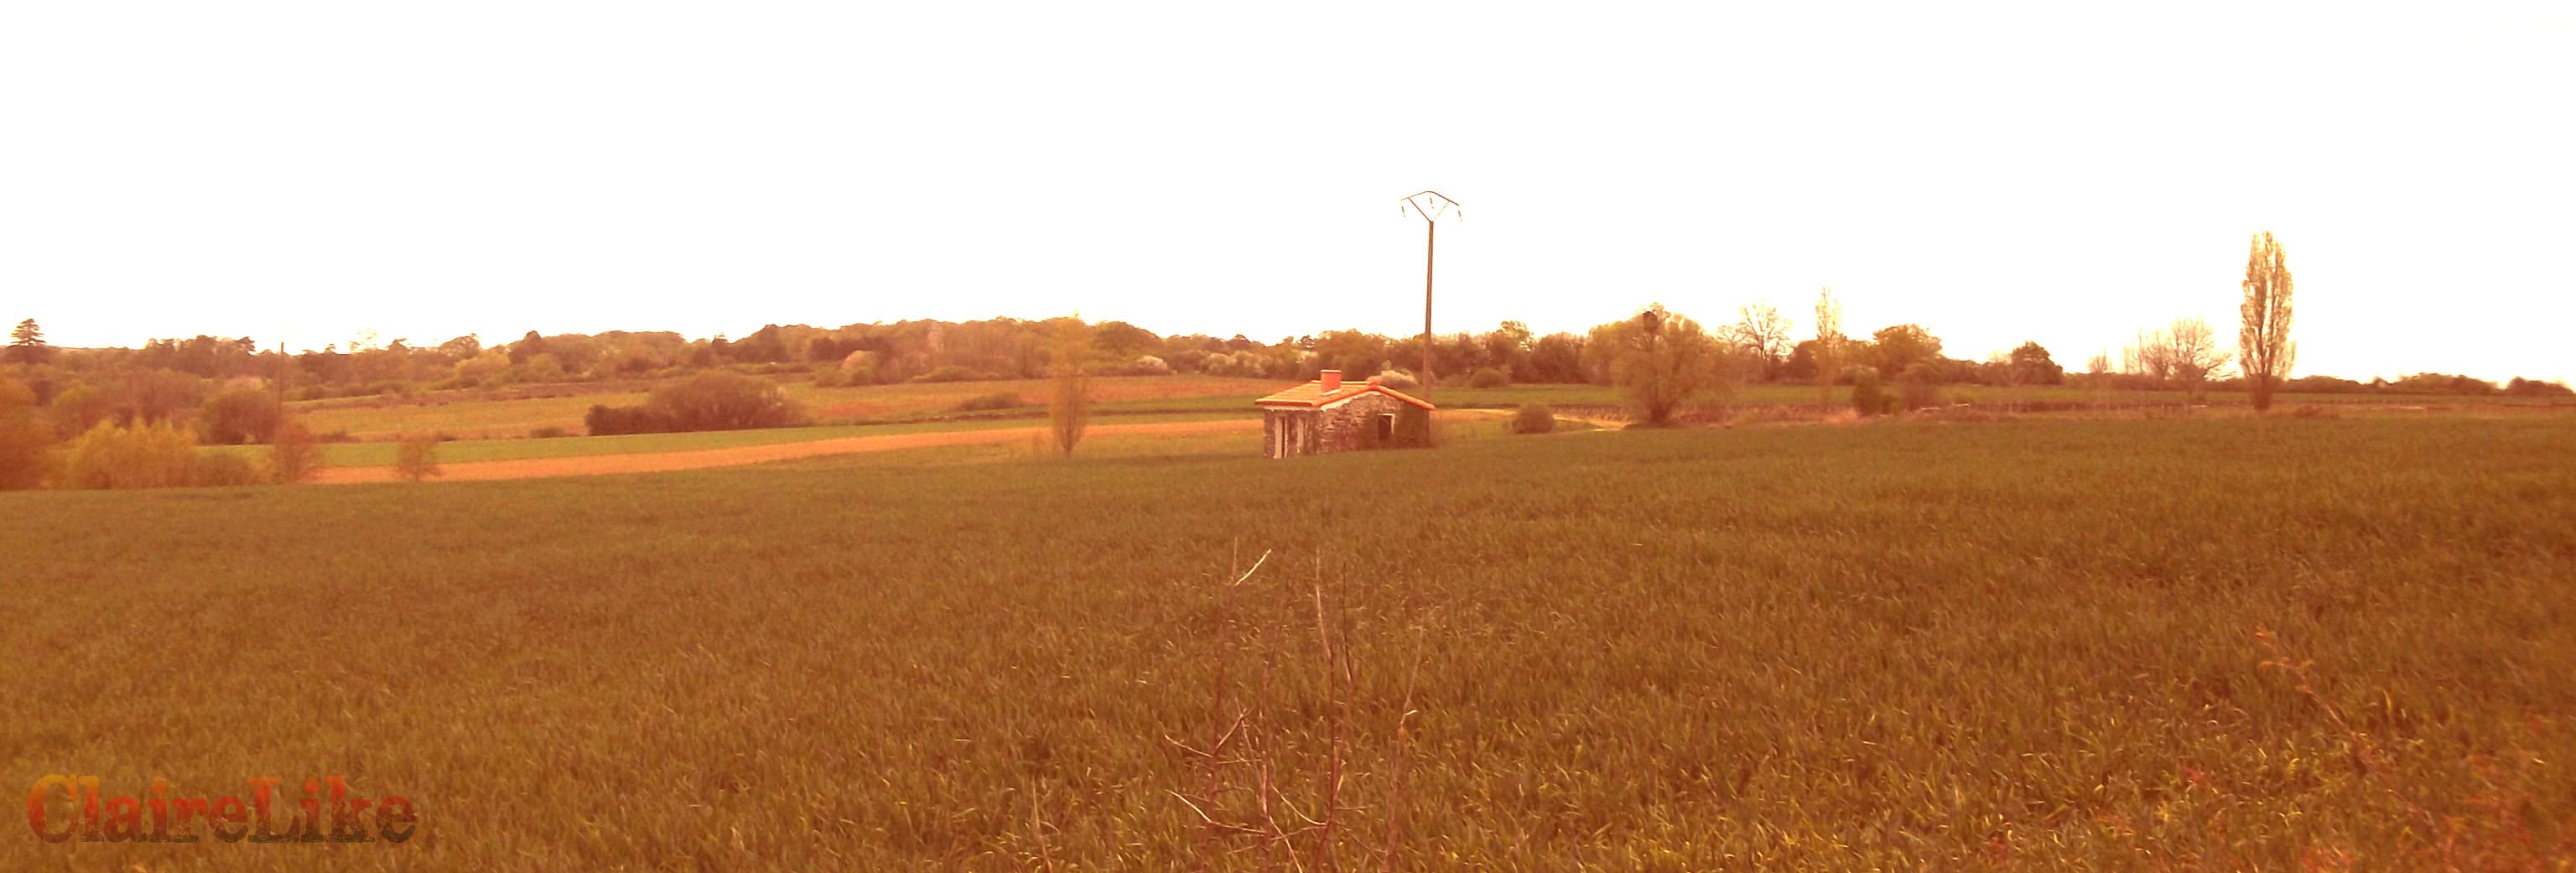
(2036, 645)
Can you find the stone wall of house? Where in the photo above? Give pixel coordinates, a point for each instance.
(1347, 426)
(1351, 424)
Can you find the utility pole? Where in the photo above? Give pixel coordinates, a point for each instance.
(1432, 206)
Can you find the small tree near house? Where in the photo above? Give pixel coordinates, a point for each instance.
(1069, 384)
(293, 454)
(1828, 354)
(417, 457)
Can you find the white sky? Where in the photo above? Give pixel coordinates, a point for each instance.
(2061, 172)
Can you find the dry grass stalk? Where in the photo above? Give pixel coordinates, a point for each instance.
(1246, 799)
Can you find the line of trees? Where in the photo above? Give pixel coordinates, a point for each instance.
(229, 390)
(39, 445)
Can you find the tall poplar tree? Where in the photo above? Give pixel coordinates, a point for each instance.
(2263, 347)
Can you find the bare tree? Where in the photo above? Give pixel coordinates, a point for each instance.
(2097, 376)
(1069, 396)
(2263, 346)
(2140, 357)
(1829, 345)
(2184, 353)
(1763, 333)
(2191, 351)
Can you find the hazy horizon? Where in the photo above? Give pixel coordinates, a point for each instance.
(307, 172)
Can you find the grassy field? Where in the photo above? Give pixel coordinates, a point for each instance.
(2010, 645)
(480, 415)
(475, 415)
(379, 454)
(1805, 395)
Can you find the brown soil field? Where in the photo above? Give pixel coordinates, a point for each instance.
(657, 462)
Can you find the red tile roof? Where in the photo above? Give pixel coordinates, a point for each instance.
(1311, 395)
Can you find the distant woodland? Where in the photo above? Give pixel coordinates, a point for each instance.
(165, 377)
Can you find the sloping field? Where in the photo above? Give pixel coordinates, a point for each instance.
(469, 451)
(477, 415)
(2016, 645)
(765, 452)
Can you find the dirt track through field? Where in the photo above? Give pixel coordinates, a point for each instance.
(691, 459)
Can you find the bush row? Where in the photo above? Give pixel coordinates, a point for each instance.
(716, 400)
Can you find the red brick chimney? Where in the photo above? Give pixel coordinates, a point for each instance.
(1332, 381)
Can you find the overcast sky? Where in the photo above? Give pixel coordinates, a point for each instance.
(2067, 173)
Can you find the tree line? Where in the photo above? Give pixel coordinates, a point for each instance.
(229, 391)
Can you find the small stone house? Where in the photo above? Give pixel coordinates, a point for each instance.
(1329, 415)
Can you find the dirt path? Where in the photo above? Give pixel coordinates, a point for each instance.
(691, 459)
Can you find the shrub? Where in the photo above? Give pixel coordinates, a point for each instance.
(859, 368)
(142, 456)
(1916, 387)
(417, 457)
(543, 367)
(950, 373)
(1239, 364)
(2442, 383)
(1147, 365)
(1397, 379)
(829, 377)
(2322, 385)
(1867, 398)
(483, 369)
(1659, 360)
(988, 402)
(238, 415)
(293, 453)
(547, 432)
(1534, 418)
(2521, 387)
(617, 420)
(1489, 377)
(717, 400)
(1412, 427)
(223, 470)
(726, 401)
